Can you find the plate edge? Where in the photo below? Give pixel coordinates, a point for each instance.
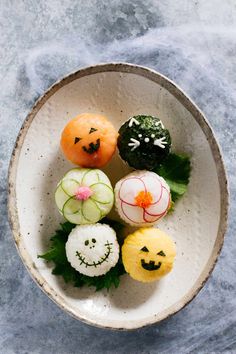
(216, 153)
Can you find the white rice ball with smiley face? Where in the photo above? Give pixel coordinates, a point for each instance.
(92, 249)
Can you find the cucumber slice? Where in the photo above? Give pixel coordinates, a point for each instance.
(60, 197)
(103, 178)
(69, 186)
(105, 208)
(76, 218)
(102, 193)
(76, 174)
(90, 177)
(72, 211)
(72, 206)
(95, 176)
(91, 212)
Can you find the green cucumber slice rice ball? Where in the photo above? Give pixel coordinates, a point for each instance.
(84, 196)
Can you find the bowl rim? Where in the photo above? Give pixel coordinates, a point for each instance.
(186, 101)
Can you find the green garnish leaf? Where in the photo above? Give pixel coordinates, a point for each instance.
(57, 254)
(176, 171)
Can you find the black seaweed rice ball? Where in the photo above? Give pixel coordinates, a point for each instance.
(144, 142)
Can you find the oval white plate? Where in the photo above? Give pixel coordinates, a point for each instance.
(197, 225)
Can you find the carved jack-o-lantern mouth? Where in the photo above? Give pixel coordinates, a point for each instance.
(151, 265)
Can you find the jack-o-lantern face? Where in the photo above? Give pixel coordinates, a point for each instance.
(148, 254)
(89, 140)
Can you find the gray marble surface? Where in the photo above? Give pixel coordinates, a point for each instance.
(191, 42)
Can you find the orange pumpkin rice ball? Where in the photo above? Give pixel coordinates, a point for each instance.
(89, 140)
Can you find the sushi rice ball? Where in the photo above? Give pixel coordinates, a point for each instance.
(142, 198)
(143, 142)
(84, 196)
(92, 249)
(148, 254)
(89, 140)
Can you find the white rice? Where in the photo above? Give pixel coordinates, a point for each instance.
(92, 249)
(128, 187)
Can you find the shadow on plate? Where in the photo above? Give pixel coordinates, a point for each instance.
(132, 293)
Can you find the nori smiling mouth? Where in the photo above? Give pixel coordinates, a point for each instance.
(150, 265)
(93, 147)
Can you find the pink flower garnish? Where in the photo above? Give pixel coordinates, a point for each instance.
(83, 193)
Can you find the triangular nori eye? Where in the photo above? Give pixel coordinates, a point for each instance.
(161, 253)
(76, 140)
(144, 249)
(92, 130)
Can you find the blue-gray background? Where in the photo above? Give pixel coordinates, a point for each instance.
(191, 42)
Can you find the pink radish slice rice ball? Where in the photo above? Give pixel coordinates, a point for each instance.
(142, 198)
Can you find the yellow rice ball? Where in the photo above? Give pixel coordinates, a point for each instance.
(148, 254)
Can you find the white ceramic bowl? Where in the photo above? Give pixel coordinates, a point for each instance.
(197, 225)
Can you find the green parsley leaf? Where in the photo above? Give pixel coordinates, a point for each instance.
(57, 254)
(176, 171)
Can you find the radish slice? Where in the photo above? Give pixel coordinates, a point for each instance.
(90, 212)
(60, 197)
(132, 213)
(150, 218)
(102, 193)
(130, 188)
(70, 186)
(161, 206)
(154, 186)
